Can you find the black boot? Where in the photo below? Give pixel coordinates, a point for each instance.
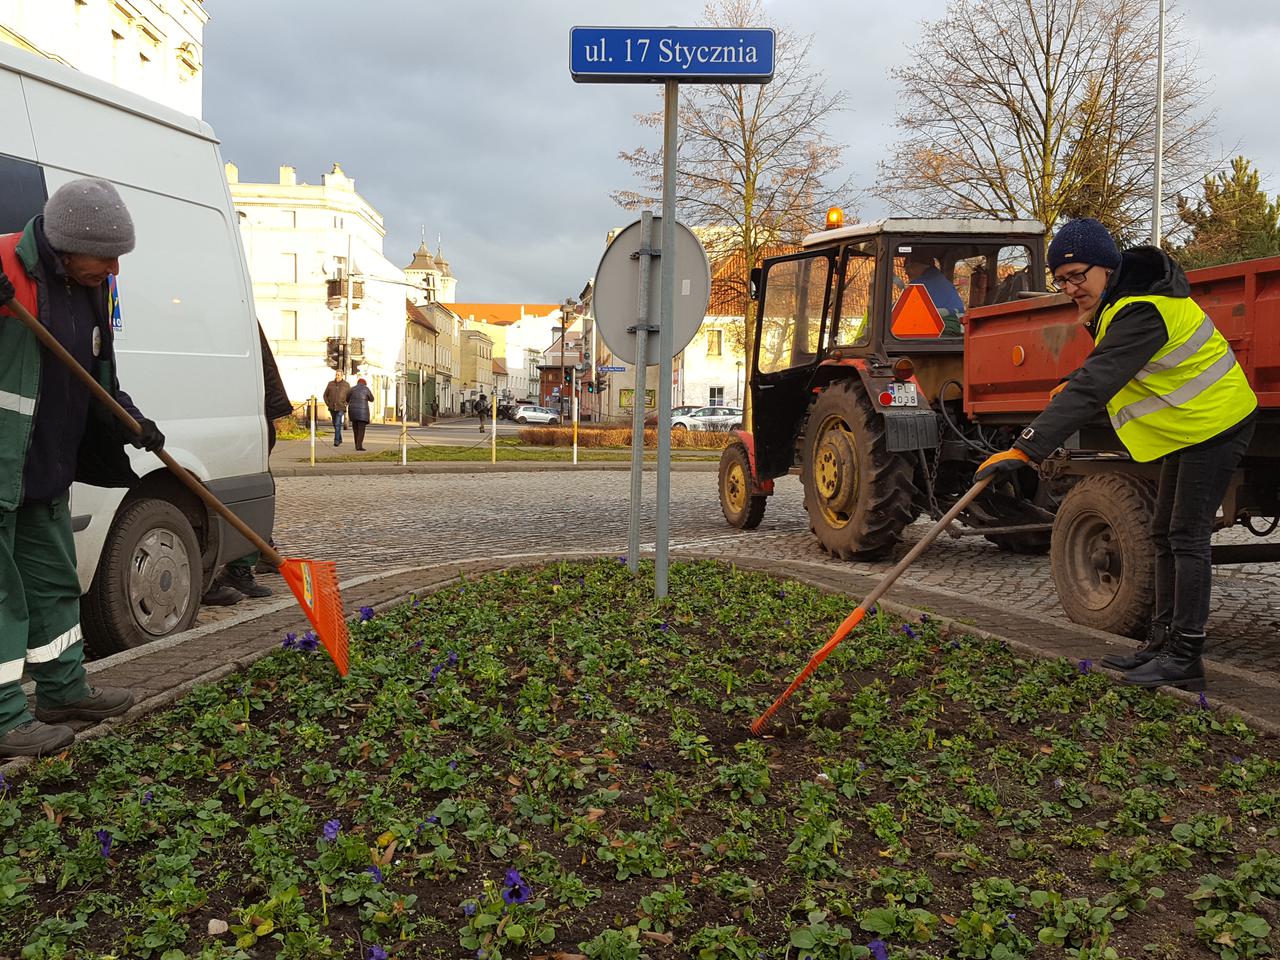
(1157, 636)
(1178, 664)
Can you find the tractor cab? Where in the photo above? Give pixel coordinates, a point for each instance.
(859, 341)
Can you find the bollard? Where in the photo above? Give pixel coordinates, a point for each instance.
(313, 431)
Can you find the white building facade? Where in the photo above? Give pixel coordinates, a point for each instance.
(299, 237)
(154, 48)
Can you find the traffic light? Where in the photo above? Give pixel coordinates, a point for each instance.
(568, 378)
(355, 365)
(591, 386)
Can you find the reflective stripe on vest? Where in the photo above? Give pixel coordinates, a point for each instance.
(1190, 391)
(24, 406)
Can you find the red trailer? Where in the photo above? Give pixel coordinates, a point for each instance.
(1101, 549)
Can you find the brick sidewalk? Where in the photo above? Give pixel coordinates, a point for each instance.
(162, 672)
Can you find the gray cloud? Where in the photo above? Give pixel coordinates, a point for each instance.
(462, 116)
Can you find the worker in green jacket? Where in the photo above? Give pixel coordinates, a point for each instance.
(61, 268)
(1175, 394)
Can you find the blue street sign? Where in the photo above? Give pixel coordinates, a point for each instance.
(611, 369)
(655, 54)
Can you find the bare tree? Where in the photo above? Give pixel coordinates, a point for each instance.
(1044, 109)
(752, 159)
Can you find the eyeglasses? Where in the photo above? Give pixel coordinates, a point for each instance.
(1073, 279)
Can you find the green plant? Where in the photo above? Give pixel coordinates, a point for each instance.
(621, 944)
(1234, 935)
(723, 943)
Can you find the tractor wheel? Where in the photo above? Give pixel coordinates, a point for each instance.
(1102, 554)
(857, 493)
(741, 507)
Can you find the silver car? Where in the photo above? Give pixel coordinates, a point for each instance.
(709, 418)
(533, 414)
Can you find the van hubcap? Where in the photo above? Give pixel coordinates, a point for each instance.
(159, 581)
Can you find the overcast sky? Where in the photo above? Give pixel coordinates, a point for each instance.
(461, 117)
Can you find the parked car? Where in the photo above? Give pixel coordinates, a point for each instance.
(534, 414)
(710, 418)
(652, 419)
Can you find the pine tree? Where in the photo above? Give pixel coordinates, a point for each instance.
(1234, 220)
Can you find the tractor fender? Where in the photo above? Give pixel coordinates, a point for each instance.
(908, 429)
(762, 487)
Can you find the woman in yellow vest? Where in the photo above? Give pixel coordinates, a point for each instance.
(1174, 393)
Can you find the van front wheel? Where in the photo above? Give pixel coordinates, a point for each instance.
(148, 581)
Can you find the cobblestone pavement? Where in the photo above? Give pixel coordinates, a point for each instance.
(371, 523)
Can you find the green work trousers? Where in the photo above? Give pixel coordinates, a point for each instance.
(39, 610)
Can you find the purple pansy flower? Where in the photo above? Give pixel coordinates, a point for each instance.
(366, 614)
(147, 797)
(104, 842)
(290, 641)
(1203, 703)
(332, 828)
(376, 953)
(374, 871)
(907, 632)
(308, 642)
(514, 889)
(469, 908)
(879, 949)
(1086, 665)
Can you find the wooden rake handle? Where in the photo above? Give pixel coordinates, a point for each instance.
(50, 343)
(860, 611)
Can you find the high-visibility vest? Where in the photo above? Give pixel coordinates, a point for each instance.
(1190, 391)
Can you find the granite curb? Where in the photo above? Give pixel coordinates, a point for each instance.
(166, 670)
(331, 469)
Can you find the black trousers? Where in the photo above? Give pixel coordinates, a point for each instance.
(357, 427)
(1192, 484)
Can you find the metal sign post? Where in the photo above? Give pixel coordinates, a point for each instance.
(641, 330)
(671, 56)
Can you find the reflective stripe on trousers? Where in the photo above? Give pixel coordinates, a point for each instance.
(54, 648)
(1183, 395)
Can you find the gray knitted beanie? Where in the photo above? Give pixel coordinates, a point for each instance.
(88, 216)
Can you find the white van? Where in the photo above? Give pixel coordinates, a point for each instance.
(187, 342)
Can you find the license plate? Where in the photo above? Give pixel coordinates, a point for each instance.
(904, 395)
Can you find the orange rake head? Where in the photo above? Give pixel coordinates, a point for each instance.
(315, 584)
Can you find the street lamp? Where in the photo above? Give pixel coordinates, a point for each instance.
(738, 363)
(1159, 158)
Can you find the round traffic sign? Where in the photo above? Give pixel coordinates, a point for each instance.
(616, 296)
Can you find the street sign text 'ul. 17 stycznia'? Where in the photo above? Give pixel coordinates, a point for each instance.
(684, 54)
(670, 56)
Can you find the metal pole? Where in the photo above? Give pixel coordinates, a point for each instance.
(404, 402)
(1159, 165)
(493, 424)
(637, 403)
(666, 340)
(346, 323)
(313, 430)
(574, 401)
(564, 332)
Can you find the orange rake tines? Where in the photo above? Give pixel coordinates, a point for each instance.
(314, 583)
(851, 621)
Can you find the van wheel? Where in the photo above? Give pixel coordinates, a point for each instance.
(148, 581)
(1102, 554)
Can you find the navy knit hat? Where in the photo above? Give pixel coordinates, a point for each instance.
(87, 216)
(1084, 241)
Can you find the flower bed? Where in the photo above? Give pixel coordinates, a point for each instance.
(602, 436)
(552, 764)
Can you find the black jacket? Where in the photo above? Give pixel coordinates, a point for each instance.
(67, 420)
(1134, 336)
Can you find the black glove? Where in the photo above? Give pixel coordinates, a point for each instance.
(6, 289)
(150, 439)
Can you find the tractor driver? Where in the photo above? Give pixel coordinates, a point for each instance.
(922, 268)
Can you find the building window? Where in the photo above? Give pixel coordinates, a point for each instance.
(715, 343)
(715, 395)
(288, 324)
(288, 268)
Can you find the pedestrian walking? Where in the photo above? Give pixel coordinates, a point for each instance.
(358, 407)
(1175, 394)
(482, 410)
(62, 268)
(237, 580)
(336, 393)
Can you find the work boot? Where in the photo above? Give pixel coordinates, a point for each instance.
(221, 595)
(102, 702)
(1178, 664)
(241, 578)
(264, 566)
(1157, 636)
(34, 739)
